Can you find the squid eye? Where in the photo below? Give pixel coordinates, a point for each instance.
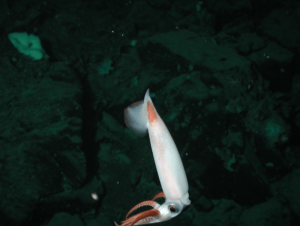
(172, 208)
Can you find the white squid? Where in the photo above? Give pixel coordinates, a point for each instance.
(141, 117)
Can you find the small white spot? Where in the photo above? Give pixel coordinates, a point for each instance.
(94, 196)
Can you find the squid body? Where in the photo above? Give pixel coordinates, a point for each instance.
(141, 117)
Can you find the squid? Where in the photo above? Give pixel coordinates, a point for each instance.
(141, 117)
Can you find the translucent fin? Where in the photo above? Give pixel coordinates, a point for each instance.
(135, 117)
